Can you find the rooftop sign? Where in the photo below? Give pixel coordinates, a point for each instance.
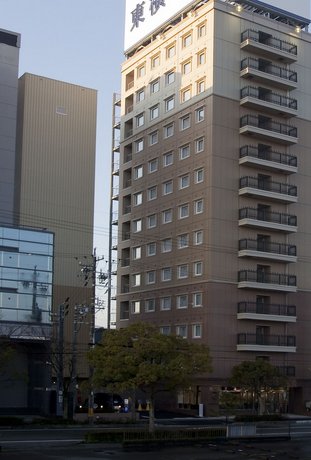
(145, 16)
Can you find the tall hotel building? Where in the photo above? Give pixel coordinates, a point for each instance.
(214, 183)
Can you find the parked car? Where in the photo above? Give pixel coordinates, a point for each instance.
(104, 402)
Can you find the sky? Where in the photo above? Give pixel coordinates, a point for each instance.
(81, 42)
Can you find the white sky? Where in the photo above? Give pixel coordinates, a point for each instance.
(81, 42)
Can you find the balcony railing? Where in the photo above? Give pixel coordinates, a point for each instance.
(269, 68)
(126, 236)
(267, 185)
(266, 309)
(268, 124)
(270, 340)
(265, 246)
(268, 40)
(127, 209)
(269, 96)
(258, 276)
(268, 155)
(268, 216)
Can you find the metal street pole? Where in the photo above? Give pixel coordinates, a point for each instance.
(60, 370)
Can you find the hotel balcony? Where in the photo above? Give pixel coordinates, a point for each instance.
(268, 159)
(262, 71)
(267, 129)
(267, 219)
(268, 46)
(267, 250)
(267, 189)
(267, 312)
(258, 279)
(259, 98)
(266, 343)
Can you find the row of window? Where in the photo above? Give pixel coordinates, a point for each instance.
(169, 104)
(182, 330)
(168, 157)
(167, 215)
(183, 241)
(170, 50)
(170, 78)
(168, 187)
(166, 274)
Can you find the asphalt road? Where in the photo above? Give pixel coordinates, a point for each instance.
(288, 450)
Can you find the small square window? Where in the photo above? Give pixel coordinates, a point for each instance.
(186, 40)
(182, 301)
(151, 277)
(154, 112)
(199, 145)
(140, 95)
(155, 86)
(152, 193)
(170, 77)
(141, 71)
(150, 305)
(170, 51)
(186, 67)
(153, 165)
(165, 330)
(185, 122)
(155, 61)
(152, 221)
(154, 138)
(136, 253)
(166, 303)
(168, 159)
(198, 268)
(199, 175)
(196, 331)
(183, 211)
(151, 249)
(182, 271)
(138, 198)
(167, 216)
(185, 95)
(168, 130)
(181, 331)
(135, 307)
(201, 86)
(201, 30)
(138, 172)
(169, 103)
(198, 206)
(184, 152)
(183, 241)
(166, 274)
(184, 181)
(166, 245)
(198, 237)
(136, 279)
(199, 114)
(140, 120)
(168, 187)
(137, 225)
(201, 58)
(197, 299)
(139, 145)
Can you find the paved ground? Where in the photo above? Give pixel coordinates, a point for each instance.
(278, 450)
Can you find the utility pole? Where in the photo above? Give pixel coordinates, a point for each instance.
(60, 360)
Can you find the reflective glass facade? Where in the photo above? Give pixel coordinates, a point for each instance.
(26, 275)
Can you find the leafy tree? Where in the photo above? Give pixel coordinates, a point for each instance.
(257, 377)
(140, 357)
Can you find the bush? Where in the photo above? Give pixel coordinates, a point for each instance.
(259, 418)
(11, 421)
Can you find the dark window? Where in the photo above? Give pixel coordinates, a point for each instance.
(8, 39)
